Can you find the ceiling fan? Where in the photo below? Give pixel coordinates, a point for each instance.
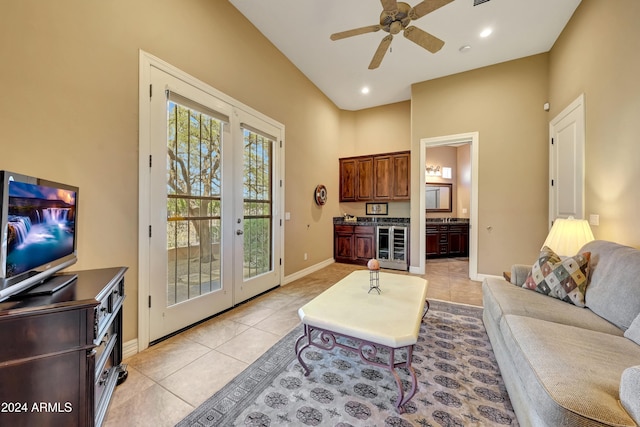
(395, 17)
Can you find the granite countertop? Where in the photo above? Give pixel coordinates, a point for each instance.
(448, 220)
(375, 220)
(371, 220)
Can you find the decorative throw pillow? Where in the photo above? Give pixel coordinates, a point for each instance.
(565, 279)
(633, 333)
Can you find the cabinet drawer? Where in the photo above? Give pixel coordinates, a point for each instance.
(103, 390)
(106, 312)
(443, 228)
(104, 351)
(343, 228)
(443, 237)
(459, 228)
(364, 229)
(432, 229)
(41, 334)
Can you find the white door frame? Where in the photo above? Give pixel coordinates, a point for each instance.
(472, 138)
(146, 61)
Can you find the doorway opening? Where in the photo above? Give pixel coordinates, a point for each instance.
(473, 140)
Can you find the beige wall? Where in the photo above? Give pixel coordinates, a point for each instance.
(444, 157)
(504, 104)
(69, 113)
(372, 131)
(598, 55)
(458, 158)
(463, 181)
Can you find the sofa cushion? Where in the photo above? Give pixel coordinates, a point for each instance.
(564, 279)
(500, 298)
(572, 374)
(614, 284)
(633, 333)
(630, 390)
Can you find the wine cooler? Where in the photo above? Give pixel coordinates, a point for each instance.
(392, 246)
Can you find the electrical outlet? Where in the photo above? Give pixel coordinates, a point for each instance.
(594, 219)
(305, 256)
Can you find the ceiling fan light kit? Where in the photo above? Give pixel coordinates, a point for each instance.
(396, 17)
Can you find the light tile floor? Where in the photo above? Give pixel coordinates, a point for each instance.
(168, 380)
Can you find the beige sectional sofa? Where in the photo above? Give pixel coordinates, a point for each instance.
(565, 365)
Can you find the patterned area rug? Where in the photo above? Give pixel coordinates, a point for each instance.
(459, 383)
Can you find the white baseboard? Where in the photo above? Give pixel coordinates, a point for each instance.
(301, 273)
(130, 348)
(416, 270)
(481, 277)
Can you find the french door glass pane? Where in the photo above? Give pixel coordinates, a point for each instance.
(258, 204)
(193, 203)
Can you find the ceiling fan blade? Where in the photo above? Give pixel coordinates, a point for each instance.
(424, 39)
(355, 32)
(427, 6)
(390, 6)
(380, 52)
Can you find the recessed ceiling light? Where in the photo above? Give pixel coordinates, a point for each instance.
(464, 48)
(486, 32)
(364, 90)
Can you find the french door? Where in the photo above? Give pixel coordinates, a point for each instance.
(214, 197)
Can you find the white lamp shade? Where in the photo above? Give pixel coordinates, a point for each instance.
(567, 236)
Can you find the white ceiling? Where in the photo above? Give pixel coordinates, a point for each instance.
(300, 29)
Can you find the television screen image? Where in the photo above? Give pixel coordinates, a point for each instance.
(38, 223)
(41, 226)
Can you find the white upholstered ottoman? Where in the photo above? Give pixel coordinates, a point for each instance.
(390, 319)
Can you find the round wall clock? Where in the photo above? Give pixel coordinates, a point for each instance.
(320, 195)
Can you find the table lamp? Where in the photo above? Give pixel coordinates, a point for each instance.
(568, 235)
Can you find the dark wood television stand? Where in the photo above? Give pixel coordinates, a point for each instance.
(61, 353)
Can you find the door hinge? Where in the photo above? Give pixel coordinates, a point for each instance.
(150, 91)
(280, 183)
(150, 160)
(280, 143)
(149, 231)
(552, 182)
(280, 261)
(149, 301)
(552, 141)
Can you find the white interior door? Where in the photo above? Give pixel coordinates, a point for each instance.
(566, 162)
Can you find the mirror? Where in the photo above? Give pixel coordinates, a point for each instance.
(438, 197)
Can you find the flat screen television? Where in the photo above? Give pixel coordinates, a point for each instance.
(38, 222)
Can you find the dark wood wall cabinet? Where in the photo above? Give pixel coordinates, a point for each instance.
(354, 244)
(61, 353)
(379, 177)
(447, 240)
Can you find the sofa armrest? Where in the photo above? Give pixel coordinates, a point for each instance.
(630, 390)
(519, 273)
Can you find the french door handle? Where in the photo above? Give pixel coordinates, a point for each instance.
(239, 232)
